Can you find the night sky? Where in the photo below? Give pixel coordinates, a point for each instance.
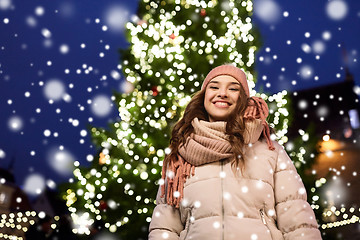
(67, 51)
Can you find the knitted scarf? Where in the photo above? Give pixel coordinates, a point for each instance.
(209, 143)
(258, 109)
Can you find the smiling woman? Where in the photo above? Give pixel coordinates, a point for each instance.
(224, 177)
(221, 96)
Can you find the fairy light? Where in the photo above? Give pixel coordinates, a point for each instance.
(19, 223)
(354, 219)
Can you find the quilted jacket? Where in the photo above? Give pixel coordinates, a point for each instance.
(267, 201)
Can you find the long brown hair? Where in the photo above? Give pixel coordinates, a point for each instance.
(235, 126)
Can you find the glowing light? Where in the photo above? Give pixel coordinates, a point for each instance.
(64, 49)
(116, 17)
(306, 48)
(326, 138)
(82, 221)
(15, 123)
(61, 161)
(34, 184)
(39, 11)
(5, 4)
(101, 105)
(326, 35)
(336, 9)
(318, 47)
(54, 89)
(267, 10)
(2, 153)
(31, 21)
(306, 72)
(46, 33)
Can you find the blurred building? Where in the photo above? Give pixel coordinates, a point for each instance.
(334, 110)
(22, 219)
(15, 208)
(50, 202)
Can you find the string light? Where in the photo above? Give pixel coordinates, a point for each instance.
(354, 219)
(20, 222)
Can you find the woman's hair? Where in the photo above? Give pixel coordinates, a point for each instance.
(235, 126)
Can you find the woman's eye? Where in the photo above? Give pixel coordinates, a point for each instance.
(234, 89)
(213, 87)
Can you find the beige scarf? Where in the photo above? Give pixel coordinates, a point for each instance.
(208, 143)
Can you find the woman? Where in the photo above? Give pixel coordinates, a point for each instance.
(225, 178)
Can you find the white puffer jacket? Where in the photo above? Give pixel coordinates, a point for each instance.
(268, 201)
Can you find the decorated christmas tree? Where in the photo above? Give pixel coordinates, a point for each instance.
(173, 45)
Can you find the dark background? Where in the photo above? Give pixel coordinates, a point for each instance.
(40, 140)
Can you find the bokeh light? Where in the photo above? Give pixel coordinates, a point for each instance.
(31, 21)
(34, 184)
(5, 4)
(326, 35)
(336, 9)
(61, 161)
(64, 48)
(67, 9)
(54, 89)
(126, 87)
(116, 17)
(39, 11)
(318, 47)
(267, 10)
(306, 72)
(101, 105)
(2, 154)
(15, 123)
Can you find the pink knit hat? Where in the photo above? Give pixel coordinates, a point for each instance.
(257, 107)
(229, 70)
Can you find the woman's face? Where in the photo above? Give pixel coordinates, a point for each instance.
(221, 95)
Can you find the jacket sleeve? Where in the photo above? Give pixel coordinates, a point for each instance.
(165, 222)
(295, 217)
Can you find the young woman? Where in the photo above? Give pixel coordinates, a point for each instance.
(225, 178)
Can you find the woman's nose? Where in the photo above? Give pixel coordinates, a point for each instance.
(223, 92)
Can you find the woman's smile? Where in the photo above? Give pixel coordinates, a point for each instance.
(222, 104)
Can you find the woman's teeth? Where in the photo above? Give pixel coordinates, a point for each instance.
(221, 104)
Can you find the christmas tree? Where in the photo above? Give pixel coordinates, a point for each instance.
(173, 45)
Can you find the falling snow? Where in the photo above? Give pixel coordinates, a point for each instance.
(61, 161)
(268, 10)
(48, 80)
(58, 84)
(5, 4)
(101, 105)
(2, 154)
(15, 123)
(337, 9)
(34, 184)
(54, 89)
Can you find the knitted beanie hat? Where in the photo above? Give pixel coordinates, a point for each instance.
(257, 107)
(229, 70)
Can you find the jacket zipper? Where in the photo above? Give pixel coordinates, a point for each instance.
(262, 215)
(263, 218)
(222, 201)
(188, 223)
